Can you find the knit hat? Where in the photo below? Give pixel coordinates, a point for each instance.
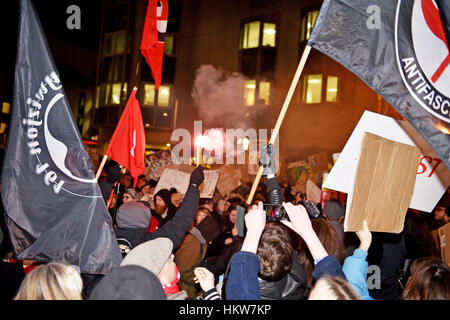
(128, 283)
(165, 195)
(133, 193)
(152, 255)
(209, 228)
(332, 209)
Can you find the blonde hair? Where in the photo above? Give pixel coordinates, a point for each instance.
(51, 281)
(332, 288)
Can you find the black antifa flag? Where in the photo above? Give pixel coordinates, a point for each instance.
(53, 205)
(401, 50)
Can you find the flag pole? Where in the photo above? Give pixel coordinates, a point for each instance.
(99, 171)
(286, 103)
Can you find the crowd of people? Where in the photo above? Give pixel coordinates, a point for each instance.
(180, 247)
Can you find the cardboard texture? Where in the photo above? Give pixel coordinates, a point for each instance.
(444, 236)
(383, 185)
(432, 179)
(229, 179)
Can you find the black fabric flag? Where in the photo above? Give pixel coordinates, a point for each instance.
(401, 50)
(53, 204)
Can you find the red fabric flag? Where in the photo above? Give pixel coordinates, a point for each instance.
(152, 44)
(127, 145)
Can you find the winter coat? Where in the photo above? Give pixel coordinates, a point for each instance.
(174, 229)
(242, 282)
(188, 256)
(355, 270)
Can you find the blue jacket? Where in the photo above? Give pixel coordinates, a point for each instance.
(355, 270)
(328, 265)
(242, 283)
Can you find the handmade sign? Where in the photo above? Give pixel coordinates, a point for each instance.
(209, 183)
(383, 185)
(156, 163)
(313, 193)
(229, 179)
(171, 178)
(432, 179)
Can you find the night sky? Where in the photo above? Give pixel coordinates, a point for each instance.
(53, 17)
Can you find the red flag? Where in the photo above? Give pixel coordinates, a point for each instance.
(127, 145)
(152, 44)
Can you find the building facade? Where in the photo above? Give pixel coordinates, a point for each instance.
(230, 64)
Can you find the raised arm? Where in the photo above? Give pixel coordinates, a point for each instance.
(355, 266)
(243, 281)
(301, 224)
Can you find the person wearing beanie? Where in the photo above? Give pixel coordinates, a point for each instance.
(176, 228)
(156, 256)
(192, 250)
(132, 213)
(130, 282)
(164, 209)
(335, 214)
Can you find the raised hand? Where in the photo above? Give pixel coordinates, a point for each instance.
(365, 236)
(205, 278)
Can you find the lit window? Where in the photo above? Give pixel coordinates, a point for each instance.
(105, 91)
(149, 94)
(6, 107)
(169, 43)
(250, 35)
(115, 98)
(269, 33)
(307, 24)
(313, 88)
(332, 88)
(249, 92)
(163, 96)
(264, 91)
(114, 43)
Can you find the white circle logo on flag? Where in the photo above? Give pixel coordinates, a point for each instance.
(423, 55)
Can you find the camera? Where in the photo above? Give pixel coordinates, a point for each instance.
(275, 212)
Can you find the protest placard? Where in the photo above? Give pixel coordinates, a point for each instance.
(383, 185)
(432, 179)
(313, 192)
(229, 179)
(209, 183)
(171, 178)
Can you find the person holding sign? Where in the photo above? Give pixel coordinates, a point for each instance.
(176, 228)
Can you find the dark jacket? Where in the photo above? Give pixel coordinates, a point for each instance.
(290, 287)
(175, 229)
(171, 211)
(242, 282)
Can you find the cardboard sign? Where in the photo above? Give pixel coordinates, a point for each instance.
(229, 179)
(171, 178)
(313, 193)
(156, 163)
(383, 185)
(209, 183)
(432, 179)
(444, 237)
